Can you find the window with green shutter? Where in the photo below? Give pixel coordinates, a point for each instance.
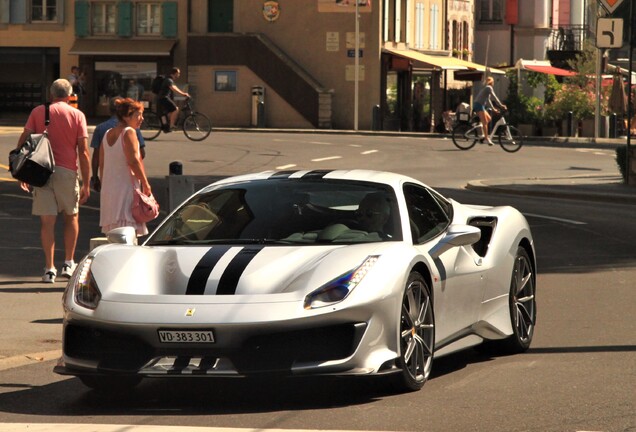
(82, 16)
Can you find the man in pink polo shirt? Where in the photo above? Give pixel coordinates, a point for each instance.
(62, 194)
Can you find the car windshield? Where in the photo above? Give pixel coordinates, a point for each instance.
(284, 211)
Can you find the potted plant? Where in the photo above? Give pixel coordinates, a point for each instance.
(575, 99)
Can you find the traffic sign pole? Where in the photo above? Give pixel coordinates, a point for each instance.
(630, 177)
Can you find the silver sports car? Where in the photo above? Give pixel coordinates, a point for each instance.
(305, 272)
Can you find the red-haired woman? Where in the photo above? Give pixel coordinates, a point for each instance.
(121, 169)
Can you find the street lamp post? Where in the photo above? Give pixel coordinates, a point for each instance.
(356, 73)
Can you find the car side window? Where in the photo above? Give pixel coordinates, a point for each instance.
(428, 215)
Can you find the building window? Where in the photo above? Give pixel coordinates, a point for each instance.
(455, 39)
(104, 18)
(225, 81)
(490, 11)
(148, 19)
(465, 41)
(43, 10)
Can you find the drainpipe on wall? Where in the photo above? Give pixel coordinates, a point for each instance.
(512, 45)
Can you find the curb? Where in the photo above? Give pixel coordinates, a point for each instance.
(608, 192)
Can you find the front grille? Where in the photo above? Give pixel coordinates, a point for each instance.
(271, 352)
(111, 350)
(279, 351)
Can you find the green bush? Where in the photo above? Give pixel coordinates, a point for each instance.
(529, 109)
(521, 108)
(571, 97)
(621, 160)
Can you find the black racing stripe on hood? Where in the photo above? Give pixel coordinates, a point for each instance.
(230, 278)
(317, 174)
(282, 174)
(201, 273)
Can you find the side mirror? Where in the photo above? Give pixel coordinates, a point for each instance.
(457, 235)
(123, 235)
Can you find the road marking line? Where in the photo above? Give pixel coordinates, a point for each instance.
(369, 152)
(570, 221)
(326, 158)
(68, 427)
(28, 359)
(282, 167)
(320, 142)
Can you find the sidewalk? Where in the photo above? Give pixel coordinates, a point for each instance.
(600, 187)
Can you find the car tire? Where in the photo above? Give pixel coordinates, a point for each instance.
(523, 305)
(416, 338)
(109, 384)
(523, 309)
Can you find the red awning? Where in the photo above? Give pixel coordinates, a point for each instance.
(549, 70)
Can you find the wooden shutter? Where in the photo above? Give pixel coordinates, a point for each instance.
(169, 19)
(18, 14)
(82, 18)
(59, 5)
(124, 19)
(5, 10)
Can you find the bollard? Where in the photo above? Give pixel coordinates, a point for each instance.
(260, 114)
(613, 125)
(570, 124)
(72, 101)
(175, 168)
(376, 118)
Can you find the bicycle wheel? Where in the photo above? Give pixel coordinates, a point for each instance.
(197, 126)
(151, 126)
(464, 136)
(510, 139)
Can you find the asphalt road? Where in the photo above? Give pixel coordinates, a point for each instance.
(579, 374)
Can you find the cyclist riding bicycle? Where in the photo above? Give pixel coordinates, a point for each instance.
(166, 98)
(480, 104)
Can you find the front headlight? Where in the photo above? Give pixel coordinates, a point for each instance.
(339, 288)
(85, 291)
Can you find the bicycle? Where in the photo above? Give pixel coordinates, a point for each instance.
(195, 125)
(466, 135)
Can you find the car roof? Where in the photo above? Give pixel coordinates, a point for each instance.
(384, 177)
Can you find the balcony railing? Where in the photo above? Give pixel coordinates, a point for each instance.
(568, 38)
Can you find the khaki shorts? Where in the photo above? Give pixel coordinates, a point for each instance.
(60, 194)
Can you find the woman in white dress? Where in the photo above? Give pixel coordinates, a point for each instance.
(121, 169)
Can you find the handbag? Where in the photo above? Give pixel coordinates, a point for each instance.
(33, 161)
(144, 208)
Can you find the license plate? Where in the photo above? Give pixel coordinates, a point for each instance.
(186, 336)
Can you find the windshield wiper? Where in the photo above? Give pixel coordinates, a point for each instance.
(247, 241)
(171, 242)
(183, 242)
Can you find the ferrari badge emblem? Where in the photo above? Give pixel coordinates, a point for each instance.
(271, 10)
(190, 312)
